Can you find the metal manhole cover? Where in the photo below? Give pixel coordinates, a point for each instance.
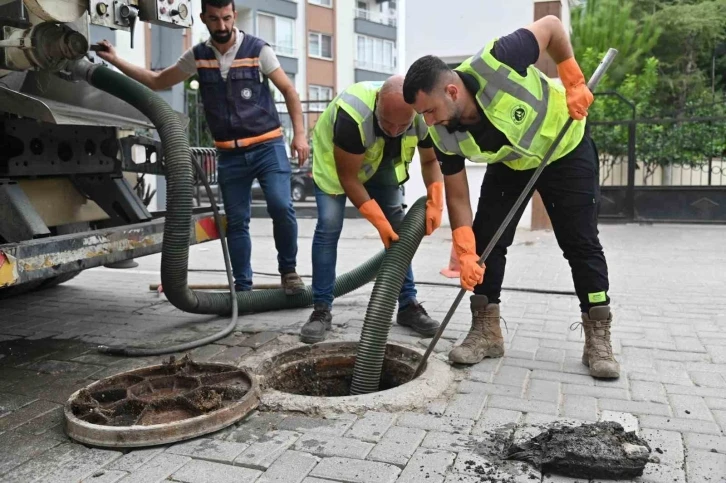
(160, 404)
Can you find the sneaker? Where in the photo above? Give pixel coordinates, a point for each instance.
(292, 283)
(319, 322)
(415, 317)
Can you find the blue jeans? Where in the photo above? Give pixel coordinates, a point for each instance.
(236, 170)
(327, 232)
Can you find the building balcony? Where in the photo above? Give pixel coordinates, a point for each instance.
(367, 71)
(383, 69)
(376, 17)
(375, 24)
(285, 50)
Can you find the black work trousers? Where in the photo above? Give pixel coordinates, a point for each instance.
(570, 190)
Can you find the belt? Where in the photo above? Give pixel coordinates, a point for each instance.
(246, 142)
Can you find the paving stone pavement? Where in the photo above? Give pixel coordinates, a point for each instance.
(669, 335)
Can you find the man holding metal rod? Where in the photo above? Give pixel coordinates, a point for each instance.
(497, 108)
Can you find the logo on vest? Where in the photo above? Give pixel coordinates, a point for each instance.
(518, 114)
(246, 93)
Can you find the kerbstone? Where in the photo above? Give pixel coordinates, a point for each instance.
(336, 427)
(467, 406)
(690, 407)
(397, 445)
(579, 407)
(326, 445)
(679, 424)
(648, 392)
(290, 467)
(635, 407)
(199, 471)
(355, 471)
(157, 469)
(523, 405)
(267, 449)
(209, 449)
(703, 466)
(670, 444)
(372, 426)
(427, 465)
(435, 423)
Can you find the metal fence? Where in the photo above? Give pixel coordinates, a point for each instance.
(669, 169)
(662, 152)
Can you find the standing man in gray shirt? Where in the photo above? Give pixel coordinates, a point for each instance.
(233, 68)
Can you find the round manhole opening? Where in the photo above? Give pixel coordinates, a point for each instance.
(328, 371)
(160, 404)
(318, 377)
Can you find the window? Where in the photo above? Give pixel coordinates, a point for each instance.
(278, 31)
(323, 3)
(319, 93)
(375, 54)
(320, 45)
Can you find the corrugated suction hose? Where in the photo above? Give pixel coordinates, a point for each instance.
(179, 171)
(377, 322)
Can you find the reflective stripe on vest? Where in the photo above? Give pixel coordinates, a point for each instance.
(369, 132)
(497, 81)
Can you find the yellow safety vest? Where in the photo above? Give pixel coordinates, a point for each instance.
(529, 110)
(359, 102)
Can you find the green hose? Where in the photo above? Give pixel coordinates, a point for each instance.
(377, 322)
(179, 173)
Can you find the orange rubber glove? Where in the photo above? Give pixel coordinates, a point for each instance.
(373, 213)
(472, 273)
(434, 206)
(578, 94)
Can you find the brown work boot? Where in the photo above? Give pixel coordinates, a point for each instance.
(292, 283)
(485, 336)
(598, 353)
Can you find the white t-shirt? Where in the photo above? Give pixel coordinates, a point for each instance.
(268, 60)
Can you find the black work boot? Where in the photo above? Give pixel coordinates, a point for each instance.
(415, 316)
(318, 323)
(292, 283)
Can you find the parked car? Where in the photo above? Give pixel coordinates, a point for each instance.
(301, 184)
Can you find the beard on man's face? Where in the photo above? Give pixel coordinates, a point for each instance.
(222, 36)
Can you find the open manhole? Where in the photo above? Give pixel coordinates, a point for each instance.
(160, 404)
(317, 378)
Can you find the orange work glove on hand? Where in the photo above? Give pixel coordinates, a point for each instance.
(372, 212)
(578, 94)
(434, 206)
(472, 273)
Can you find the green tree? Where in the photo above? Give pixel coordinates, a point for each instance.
(602, 24)
(691, 32)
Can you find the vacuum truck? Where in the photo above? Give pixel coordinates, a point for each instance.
(73, 187)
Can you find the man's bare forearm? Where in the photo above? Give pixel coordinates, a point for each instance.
(431, 171)
(355, 191)
(457, 201)
(294, 109)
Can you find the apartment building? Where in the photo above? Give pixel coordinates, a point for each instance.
(323, 45)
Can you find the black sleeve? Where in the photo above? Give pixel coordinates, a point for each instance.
(346, 134)
(427, 142)
(450, 163)
(518, 50)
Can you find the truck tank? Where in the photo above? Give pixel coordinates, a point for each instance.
(70, 196)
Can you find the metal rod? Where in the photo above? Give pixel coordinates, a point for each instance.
(594, 80)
